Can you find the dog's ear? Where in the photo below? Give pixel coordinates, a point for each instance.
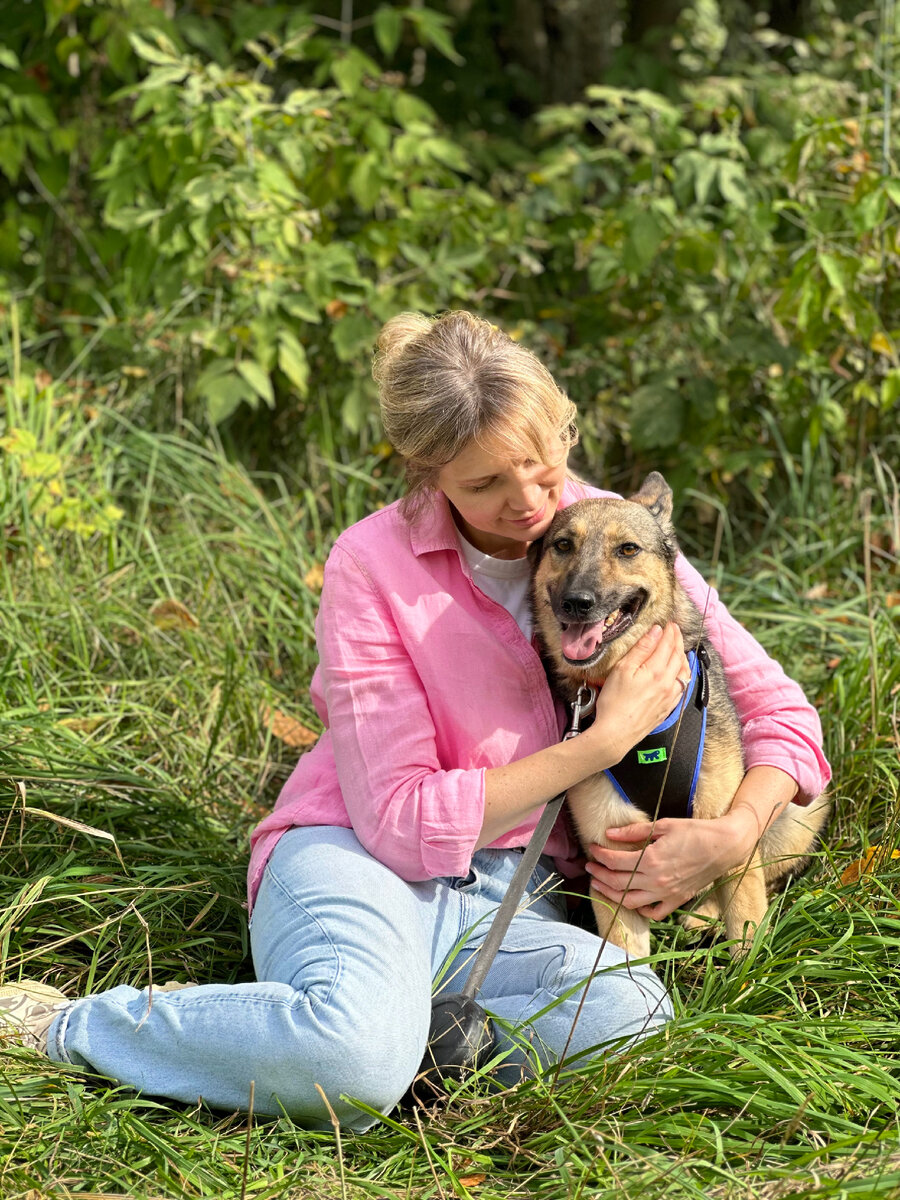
(656, 496)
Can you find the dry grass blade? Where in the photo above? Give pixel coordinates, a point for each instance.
(336, 1126)
(78, 826)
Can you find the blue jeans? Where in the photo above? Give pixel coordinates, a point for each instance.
(345, 953)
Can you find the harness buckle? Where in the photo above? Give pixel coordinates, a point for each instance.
(582, 706)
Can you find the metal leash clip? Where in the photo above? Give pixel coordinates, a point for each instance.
(581, 707)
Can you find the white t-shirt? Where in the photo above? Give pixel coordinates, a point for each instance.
(506, 580)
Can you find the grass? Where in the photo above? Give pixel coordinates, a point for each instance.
(137, 665)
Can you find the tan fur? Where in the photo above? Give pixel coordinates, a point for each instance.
(585, 556)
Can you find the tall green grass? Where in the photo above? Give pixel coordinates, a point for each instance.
(779, 1075)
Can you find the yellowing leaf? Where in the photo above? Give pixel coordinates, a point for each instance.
(82, 724)
(19, 441)
(41, 465)
(882, 344)
(69, 823)
(315, 577)
(874, 857)
(172, 614)
(287, 729)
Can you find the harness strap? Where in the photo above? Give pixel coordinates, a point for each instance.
(659, 774)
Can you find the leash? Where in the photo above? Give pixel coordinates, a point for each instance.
(461, 1038)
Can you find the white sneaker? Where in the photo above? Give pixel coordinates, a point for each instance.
(172, 986)
(27, 1010)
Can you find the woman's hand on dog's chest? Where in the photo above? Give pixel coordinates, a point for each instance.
(683, 857)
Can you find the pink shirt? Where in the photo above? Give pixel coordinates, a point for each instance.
(424, 682)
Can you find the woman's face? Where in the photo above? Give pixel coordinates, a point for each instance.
(502, 504)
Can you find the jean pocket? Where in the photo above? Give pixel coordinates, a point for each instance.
(466, 883)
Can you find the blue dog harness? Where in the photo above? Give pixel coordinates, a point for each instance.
(659, 775)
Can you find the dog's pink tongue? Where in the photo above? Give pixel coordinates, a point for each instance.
(580, 641)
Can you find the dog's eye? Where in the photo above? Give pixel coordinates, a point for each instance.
(563, 545)
(629, 549)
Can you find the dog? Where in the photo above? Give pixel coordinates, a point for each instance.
(602, 575)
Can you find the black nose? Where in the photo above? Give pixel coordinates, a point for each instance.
(577, 605)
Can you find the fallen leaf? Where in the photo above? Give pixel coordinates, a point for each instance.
(172, 614)
(874, 856)
(832, 663)
(336, 309)
(82, 724)
(817, 592)
(892, 600)
(287, 729)
(315, 577)
(470, 1181)
(838, 618)
(128, 636)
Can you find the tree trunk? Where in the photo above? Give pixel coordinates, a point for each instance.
(565, 44)
(645, 16)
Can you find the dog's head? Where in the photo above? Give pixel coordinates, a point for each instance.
(603, 573)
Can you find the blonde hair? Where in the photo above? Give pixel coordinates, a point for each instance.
(450, 380)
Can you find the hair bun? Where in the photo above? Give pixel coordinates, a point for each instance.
(396, 334)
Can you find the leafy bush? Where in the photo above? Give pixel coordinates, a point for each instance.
(230, 207)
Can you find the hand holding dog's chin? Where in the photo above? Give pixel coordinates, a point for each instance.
(640, 691)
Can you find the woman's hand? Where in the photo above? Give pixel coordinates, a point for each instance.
(639, 693)
(682, 856)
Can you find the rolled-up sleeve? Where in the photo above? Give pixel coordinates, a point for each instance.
(780, 727)
(416, 816)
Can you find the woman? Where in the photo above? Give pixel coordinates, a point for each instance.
(395, 837)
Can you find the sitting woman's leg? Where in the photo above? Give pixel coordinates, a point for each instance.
(536, 982)
(536, 985)
(342, 950)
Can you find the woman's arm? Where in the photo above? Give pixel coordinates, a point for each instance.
(640, 692)
(779, 727)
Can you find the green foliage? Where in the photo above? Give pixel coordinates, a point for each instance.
(279, 209)
(233, 206)
(52, 466)
(731, 269)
